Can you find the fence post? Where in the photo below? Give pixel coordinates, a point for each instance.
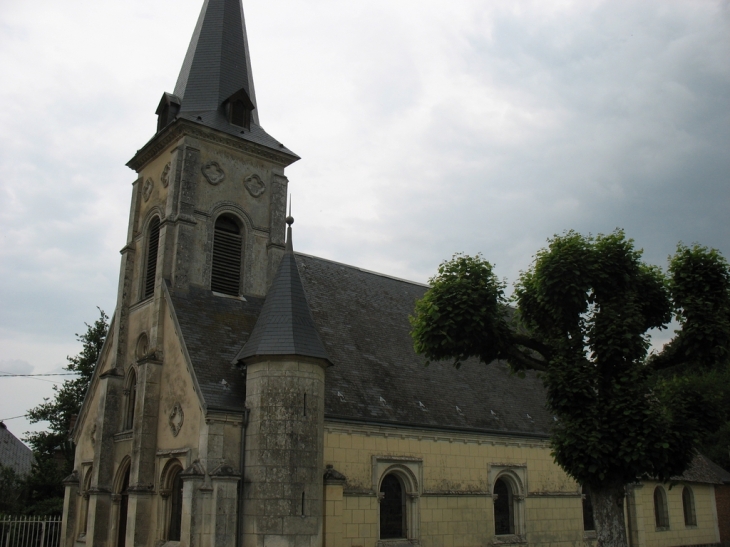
(6, 527)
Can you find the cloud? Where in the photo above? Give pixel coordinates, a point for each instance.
(15, 366)
(487, 127)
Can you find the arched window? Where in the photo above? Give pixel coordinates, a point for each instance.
(588, 522)
(688, 506)
(504, 512)
(176, 496)
(84, 514)
(153, 242)
(392, 508)
(131, 393)
(227, 247)
(661, 513)
(123, 506)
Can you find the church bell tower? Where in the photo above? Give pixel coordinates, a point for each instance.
(210, 196)
(207, 219)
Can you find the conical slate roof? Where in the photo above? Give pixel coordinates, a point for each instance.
(217, 63)
(285, 325)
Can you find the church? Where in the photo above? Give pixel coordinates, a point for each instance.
(248, 395)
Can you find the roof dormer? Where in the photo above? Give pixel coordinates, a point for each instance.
(167, 110)
(238, 108)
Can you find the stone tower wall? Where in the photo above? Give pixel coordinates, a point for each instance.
(284, 450)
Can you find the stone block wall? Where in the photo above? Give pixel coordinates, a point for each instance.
(284, 438)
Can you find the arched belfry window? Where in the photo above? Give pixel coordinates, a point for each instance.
(392, 508)
(227, 249)
(131, 393)
(153, 242)
(504, 512)
(661, 513)
(688, 506)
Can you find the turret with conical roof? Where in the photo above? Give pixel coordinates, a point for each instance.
(285, 379)
(285, 325)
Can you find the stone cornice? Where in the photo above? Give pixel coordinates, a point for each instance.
(181, 128)
(434, 435)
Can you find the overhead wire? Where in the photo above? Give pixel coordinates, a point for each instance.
(31, 376)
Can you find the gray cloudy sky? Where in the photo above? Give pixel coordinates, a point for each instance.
(424, 127)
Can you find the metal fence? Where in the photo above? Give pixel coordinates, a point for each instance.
(30, 531)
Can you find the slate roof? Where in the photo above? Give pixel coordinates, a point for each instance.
(216, 66)
(362, 318)
(13, 453)
(217, 63)
(703, 470)
(377, 377)
(214, 329)
(285, 325)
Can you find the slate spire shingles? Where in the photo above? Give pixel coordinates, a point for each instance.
(217, 63)
(217, 66)
(285, 326)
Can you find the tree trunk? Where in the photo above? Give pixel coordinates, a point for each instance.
(608, 515)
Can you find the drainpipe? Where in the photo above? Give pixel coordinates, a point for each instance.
(239, 522)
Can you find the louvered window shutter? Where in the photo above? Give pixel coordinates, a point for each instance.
(227, 246)
(152, 245)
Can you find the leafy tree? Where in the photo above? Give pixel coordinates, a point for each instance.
(584, 312)
(53, 450)
(11, 486)
(696, 361)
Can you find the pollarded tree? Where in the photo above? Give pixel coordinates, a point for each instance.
(584, 310)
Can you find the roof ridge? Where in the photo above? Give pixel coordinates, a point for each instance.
(363, 270)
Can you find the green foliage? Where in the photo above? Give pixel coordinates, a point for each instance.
(11, 486)
(702, 399)
(53, 450)
(699, 284)
(65, 404)
(585, 308)
(592, 300)
(463, 314)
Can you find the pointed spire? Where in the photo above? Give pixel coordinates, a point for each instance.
(217, 63)
(285, 326)
(289, 222)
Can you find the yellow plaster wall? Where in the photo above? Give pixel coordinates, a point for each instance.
(455, 507)
(678, 534)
